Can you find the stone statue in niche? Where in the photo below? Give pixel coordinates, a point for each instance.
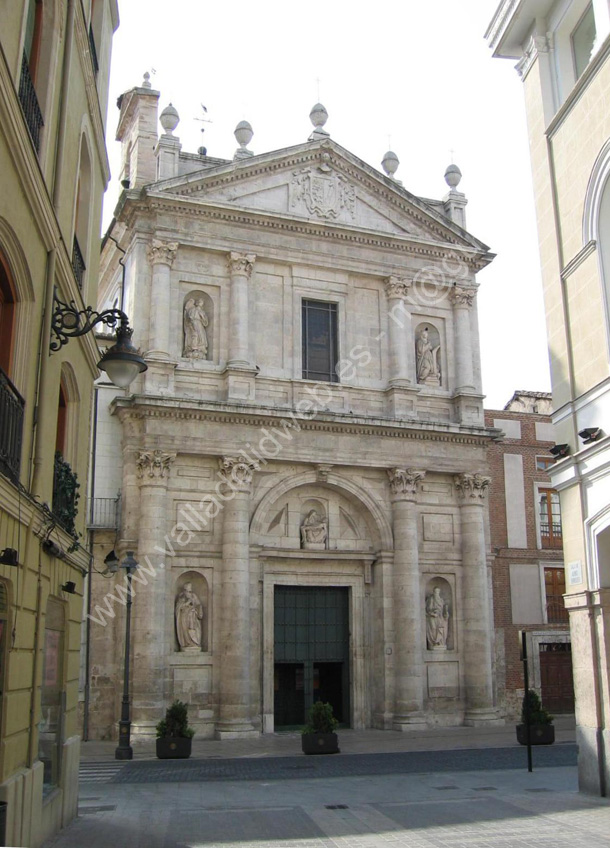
(195, 336)
(427, 368)
(189, 615)
(314, 531)
(437, 621)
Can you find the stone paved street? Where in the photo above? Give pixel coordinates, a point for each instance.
(463, 798)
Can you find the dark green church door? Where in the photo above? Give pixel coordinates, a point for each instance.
(311, 626)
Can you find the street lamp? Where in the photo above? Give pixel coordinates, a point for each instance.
(124, 751)
(121, 362)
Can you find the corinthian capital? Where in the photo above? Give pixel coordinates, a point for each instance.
(472, 485)
(404, 481)
(237, 472)
(154, 464)
(241, 263)
(462, 296)
(162, 252)
(397, 286)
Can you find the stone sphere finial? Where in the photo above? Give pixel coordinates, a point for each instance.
(146, 82)
(243, 133)
(169, 119)
(390, 163)
(318, 117)
(453, 175)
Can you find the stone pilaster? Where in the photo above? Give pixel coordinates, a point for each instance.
(472, 491)
(241, 266)
(233, 654)
(401, 401)
(150, 681)
(161, 256)
(463, 299)
(407, 601)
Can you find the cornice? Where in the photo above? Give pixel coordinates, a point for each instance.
(93, 102)
(147, 407)
(412, 245)
(500, 22)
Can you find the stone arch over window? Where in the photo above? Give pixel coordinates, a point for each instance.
(41, 39)
(67, 414)
(82, 214)
(439, 614)
(428, 369)
(198, 325)
(596, 224)
(199, 586)
(18, 286)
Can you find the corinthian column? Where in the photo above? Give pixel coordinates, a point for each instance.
(150, 658)
(234, 648)
(472, 490)
(240, 268)
(407, 601)
(161, 256)
(399, 323)
(463, 299)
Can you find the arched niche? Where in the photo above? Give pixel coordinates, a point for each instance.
(198, 326)
(313, 522)
(439, 611)
(199, 586)
(428, 354)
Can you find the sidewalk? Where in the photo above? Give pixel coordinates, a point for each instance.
(351, 741)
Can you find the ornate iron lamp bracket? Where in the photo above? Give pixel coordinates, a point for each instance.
(68, 321)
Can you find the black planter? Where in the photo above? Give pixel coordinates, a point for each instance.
(174, 747)
(540, 734)
(320, 743)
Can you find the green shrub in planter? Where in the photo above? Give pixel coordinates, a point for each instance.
(174, 736)
(542, 731)
(318, 735)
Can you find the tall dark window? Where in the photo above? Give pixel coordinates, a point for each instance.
(320, 350)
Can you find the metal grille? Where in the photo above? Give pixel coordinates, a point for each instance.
(11, 427)
(104, 513)
(29, 104)
(78, 263)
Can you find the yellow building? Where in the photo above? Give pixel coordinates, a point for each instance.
(54, 69)
(563, 53)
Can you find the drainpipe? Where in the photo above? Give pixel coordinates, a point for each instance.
(90, 571)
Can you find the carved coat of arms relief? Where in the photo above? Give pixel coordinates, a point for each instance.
(322, 191)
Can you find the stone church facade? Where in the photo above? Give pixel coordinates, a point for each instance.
(302, 468)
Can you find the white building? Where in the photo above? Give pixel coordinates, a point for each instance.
(310, 329)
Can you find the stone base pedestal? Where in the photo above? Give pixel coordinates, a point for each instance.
(239, 383)
(413, 721)
(469, 407)
(159, 379)
(401, 399)
(235, 730)
(143, 731)
(483, 717)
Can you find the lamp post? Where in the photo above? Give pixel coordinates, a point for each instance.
(124, 751)
(121, 362)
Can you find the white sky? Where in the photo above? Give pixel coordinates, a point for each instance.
(418, 73)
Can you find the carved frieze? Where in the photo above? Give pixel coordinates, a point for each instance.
(241, 263)
(154, 464)
(322, 191)
(404, 481)
(472, 485)
(162, 252)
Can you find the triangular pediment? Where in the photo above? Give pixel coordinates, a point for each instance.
(319, 182)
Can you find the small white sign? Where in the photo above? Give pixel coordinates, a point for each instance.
(574, 573)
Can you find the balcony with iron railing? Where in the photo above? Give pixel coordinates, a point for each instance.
(104, 513)
(65, 494)
(12, 407)
(556, 612)
(551, 535)
(29, 104)
(78, 263)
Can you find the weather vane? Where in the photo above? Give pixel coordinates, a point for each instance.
(203, 120)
